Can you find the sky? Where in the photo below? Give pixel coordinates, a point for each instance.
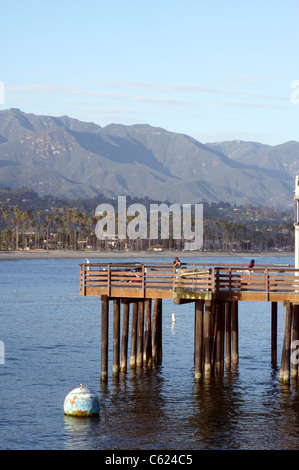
(218, 70)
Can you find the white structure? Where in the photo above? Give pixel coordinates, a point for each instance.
(296, 199)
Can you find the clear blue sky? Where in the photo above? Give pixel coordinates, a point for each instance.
(217, 70)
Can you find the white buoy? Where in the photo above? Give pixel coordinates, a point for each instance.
(81, 402)
(173, 318)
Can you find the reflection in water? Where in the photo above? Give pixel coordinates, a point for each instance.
(80, 431)
(144, 410)
(217, 412)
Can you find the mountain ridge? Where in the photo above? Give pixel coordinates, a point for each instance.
(71, 158)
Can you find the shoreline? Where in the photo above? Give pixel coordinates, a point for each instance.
(57, 254)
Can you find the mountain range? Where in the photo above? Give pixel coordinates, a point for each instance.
(72, 159)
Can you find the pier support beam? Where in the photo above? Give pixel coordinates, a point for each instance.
(139, 358)
(198, 346)
(116, 337)
(147, 346)
(207, 339)
(284, 375)
(274, 333)
(125, 334)
(159, 332)
(104, 337)
(228, 336)
(218, 338)
(133, 356)
(235, 333)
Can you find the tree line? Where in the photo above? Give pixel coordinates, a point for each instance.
(68, 228)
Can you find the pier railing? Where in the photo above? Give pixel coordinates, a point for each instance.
(259, 283)
(133, 279)
(223, 281)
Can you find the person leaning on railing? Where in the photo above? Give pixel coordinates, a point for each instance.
(176, 264)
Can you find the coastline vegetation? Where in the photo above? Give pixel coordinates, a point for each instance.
(28, 221)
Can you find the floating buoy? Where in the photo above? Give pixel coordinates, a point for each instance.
(81, 402)
(173, 318)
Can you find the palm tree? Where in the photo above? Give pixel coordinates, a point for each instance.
(49, 218)
(24, 218)
(39, 214)
(16, 220)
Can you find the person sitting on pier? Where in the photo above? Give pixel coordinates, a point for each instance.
(251, 264)
(249, 270)
(137, 273)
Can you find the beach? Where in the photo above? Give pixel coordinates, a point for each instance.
(71, 254)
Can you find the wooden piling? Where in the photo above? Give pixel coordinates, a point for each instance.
(134, 335)
(284, 375)
(207, 339)
(116, 336)
(235, 332)
(222, 335)
(295, 339)
(274, 333)
(104, 337)
(159, 332)
(198, 346)
(213, 336)
(125, 334)
(218, 332)
(155, 332)
(228, 336)
(140, 333)
(147, 345)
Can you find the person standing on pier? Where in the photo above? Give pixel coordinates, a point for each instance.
(176, 264)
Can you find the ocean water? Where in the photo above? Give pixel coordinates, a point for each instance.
(52, 344)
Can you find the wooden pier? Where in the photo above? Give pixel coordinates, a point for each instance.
(215, 291)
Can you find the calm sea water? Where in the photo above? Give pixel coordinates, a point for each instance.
(52, 344)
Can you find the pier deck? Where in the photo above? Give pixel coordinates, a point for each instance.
(278, 283)
(215, 291)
